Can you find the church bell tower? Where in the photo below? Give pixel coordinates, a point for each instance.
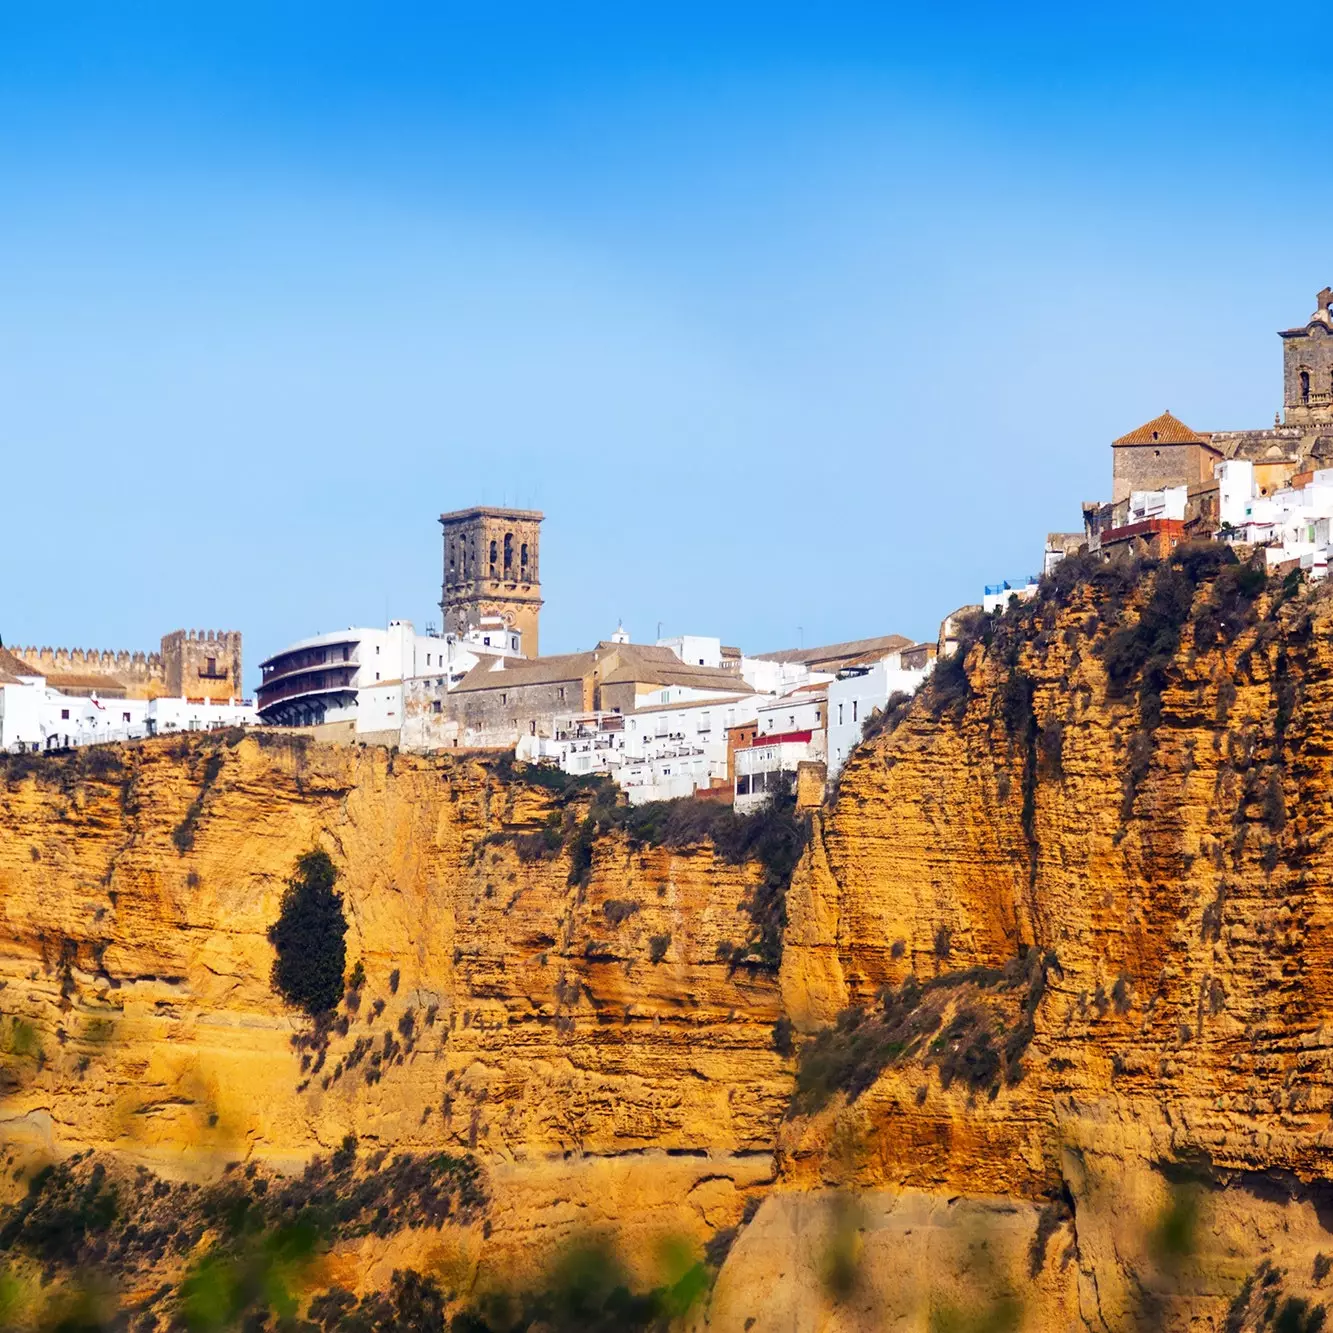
(1307, 367)
(491, 569)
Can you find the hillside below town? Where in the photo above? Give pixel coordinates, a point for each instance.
(1026, 1024)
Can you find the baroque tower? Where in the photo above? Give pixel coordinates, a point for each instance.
(491, 569)
(1307, 367)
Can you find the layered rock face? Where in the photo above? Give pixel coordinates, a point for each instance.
(506, 1011)
(1131, 781)
(1073, 906)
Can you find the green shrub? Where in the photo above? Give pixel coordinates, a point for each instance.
(979, 1046)
(885, 721)
(619, 910)
(308, 937)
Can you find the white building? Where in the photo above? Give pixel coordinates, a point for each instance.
(861, 691)
(671, 749)
(354, 676)
(583, 743)
(36, 717)
(1167, 503)
(997, 596)
(656, 753)
(1293, 523)
(766, 767)
(804, 709)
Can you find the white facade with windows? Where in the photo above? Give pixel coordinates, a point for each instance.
(355, 675)
(858, 693)
(768, 767)
(1294, 523)
(804, 710)
(655, 753)
(35, 717)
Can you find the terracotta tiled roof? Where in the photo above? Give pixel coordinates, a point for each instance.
(15, 666)
(620, 663)
(1165, 429)
(500, 673)
(836, 654)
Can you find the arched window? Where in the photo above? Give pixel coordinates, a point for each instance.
(509, 552)
(1305, 386)
(523, 557)
(495, 551)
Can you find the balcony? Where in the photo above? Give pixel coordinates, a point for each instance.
(316, 659)
(317, 683)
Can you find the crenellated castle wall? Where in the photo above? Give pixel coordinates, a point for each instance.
(181, 668)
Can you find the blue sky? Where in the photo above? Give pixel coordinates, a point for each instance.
(797, 321)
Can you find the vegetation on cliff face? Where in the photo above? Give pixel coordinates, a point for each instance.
(588, 808)
(973, 1026)
(226, 1255)
(308, 937)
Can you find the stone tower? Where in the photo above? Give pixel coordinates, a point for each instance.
(491, 569)
(1307, 367)
(202, 664)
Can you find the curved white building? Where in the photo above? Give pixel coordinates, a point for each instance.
(341, 676)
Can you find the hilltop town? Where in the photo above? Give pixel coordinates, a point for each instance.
(688, 714)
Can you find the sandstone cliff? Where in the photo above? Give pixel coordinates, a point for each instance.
(1072, 906)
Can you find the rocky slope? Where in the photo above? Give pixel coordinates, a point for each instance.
(1072, 906)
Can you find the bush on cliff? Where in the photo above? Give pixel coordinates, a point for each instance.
(308, 935)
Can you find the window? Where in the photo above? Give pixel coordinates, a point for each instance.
(532, 728)
(560, 693)
(437, 706)
(504, 698)
(212, 670)
(377, 675)
(791, 721)
(377, 650)
(428, 659)
(523, 557)
(853, 710)
(486, 640)
(124, 717)
(840, 715)
(495, 555)
(1305, 386)
(509, 552)
(64, 714)
(513, 642)
(705, 721)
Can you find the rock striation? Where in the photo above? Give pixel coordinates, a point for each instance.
(1048, 1046)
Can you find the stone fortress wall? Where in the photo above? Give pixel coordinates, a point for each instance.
(192, 663)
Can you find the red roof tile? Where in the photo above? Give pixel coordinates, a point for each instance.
(1165, 429)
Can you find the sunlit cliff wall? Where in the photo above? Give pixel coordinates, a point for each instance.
(1099, 843)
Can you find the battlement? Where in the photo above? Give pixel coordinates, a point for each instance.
(90, 661)
(193, 663)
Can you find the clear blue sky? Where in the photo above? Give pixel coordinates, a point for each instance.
(812, 316)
